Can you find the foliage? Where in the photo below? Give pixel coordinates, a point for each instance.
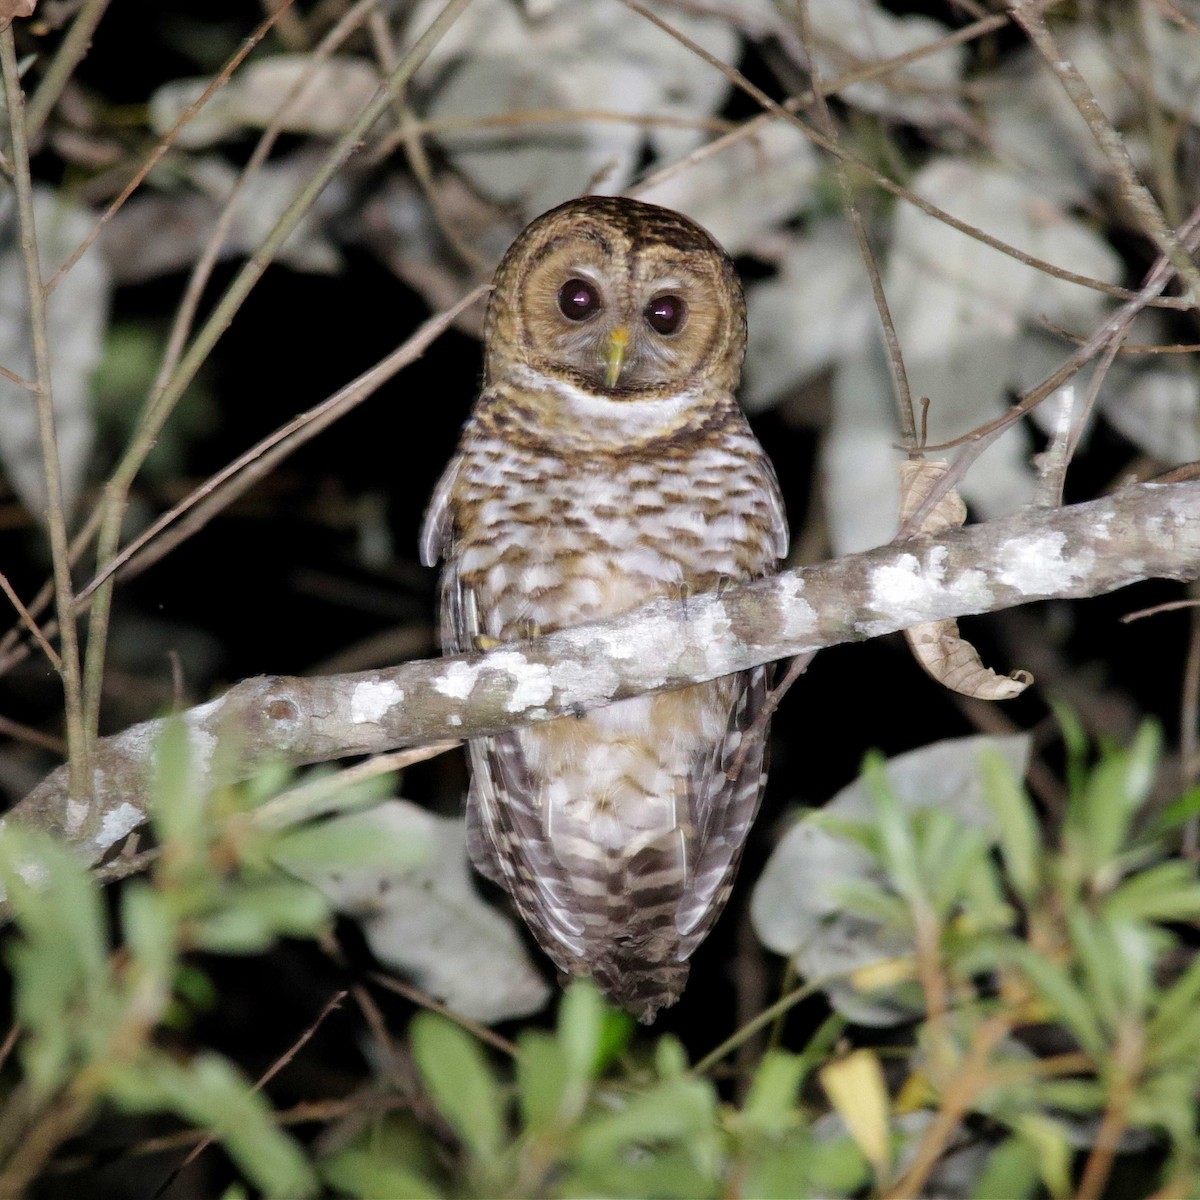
(1054, 991)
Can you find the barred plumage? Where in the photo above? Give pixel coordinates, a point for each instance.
(580, 491)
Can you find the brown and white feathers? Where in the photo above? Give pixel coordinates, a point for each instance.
(606, 463)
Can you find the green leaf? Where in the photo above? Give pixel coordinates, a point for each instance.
(679, 1109)
(1169, 891)
(1011, 1171)
(460, 1081)
(898, 850)
(580, 1025)
(209, 1092)
(358, 841)
(150, 931)
(1103, 969)
(1178, 1011)
(256, 914)
(542, 1078)
(63, 991)
(670, 1058)
(771, 1102)
(1075, 741)
(1054, 985)
(666, 1173)
(1097, 819)
(180, 802)
(951, 862)
(1017, 826)
(1051, 1151)
(370, 1176)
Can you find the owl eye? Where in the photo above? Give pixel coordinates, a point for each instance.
(578, 300)
(666, 314)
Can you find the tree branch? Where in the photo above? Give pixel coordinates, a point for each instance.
(1144, 531)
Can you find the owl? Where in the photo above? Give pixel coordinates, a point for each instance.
(607, 463)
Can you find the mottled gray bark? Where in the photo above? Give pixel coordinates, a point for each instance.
(1141, 532)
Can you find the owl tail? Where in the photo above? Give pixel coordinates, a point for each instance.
(637, 982)
(638, 959)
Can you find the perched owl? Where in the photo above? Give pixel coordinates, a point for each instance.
(607, 463)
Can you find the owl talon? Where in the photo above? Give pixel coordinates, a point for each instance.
(684, 591)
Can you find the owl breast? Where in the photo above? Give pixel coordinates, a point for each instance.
(617, 831)
(545, 542)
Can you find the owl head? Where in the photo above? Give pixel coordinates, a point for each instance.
(622, 299)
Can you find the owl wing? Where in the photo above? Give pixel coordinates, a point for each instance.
(722, 810)
(506, 838)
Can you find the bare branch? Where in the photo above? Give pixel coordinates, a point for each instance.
(1145, 531)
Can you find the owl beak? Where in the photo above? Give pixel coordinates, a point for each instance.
(614, 355)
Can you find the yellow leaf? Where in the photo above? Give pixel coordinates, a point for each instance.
(856, 1089)
(917, 1093)
(887, 972)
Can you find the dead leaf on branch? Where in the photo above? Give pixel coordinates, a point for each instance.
(9, 9)
(937, 645)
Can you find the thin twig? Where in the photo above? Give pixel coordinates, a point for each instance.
(1121, 1087)
(515, 120)
(68, 56)
(10, 1040)
(783, 111)
(415, 152)
(1127, 348)
(1189, 725)
(185, 313)
(863, 74)
(1155, 609)
(19, 380)
(219, 80)
(306, 1112)
(425, 1000)
(320, 795)
(56, 517)
(891, 342)
(232, 480)
(967, 1082)
(1139, 198)
(59, 1120)
(27, 620)
(333, 1003)
(1110, 332)
(774, 697)
(764, 1018)
(161, 404)
(35, 737)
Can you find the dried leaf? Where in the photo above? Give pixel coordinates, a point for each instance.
(849, 33)
(158, 233)
(426, 919)
(937, 645)
(332, 93)
(917, 480)
(744, 193)
(505, 58)
(76, 320)
(812, 313)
